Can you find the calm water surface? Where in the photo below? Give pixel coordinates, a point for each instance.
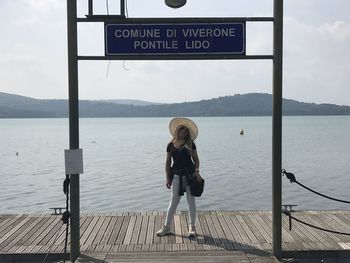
(124, 163)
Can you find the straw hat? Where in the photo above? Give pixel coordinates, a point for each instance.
(189, 124)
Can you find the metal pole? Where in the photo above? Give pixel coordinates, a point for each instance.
(91, 7)
(73, 124)
(122, 7)
(277, 130)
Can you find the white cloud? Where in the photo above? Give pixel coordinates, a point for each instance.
(339, 31)
(316, 61)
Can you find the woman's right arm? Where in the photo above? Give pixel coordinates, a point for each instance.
(167, 170)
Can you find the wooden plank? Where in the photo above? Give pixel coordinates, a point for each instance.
(15, 237)
(24, 231)
(332, 238)
(265, 228)
(343, 225)
(298, 231)
(89, 229)
(245, 239)
(53, 240)
(178, 229)
(218, 229)
(236, 237)
(267, 217)
(230, 244)
(13, 230)
(150, 230)
(4, 219)
(84, 223)
(116, 226)
(246, 229)
(109, 230)
(124, 223)
(264, 219)
(42, 232)
(200, 235)
(102, 232)
(99, 230)
(214, 235)
(129, 231)
(327, 222)
(10, 222)
(171, 238)
(95, 229)
(184, 227)
(136, 230)
(143, 229)
(250, 220)
(205, 229)
(158, 224)
(312, 235)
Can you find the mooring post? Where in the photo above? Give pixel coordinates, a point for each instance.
(73, 125)
(277, 130)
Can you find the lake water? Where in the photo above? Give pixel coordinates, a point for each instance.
(124, 163)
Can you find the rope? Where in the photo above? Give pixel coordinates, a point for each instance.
(65, 219)
(292, 179)
(310, 225)
(66, 214)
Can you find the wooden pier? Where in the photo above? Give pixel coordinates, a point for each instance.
(220, 233)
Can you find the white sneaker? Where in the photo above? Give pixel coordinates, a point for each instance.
(192, 231)
(165, 230)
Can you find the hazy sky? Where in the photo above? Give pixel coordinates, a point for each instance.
(33, 49)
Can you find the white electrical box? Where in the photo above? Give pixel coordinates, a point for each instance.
(73, 161)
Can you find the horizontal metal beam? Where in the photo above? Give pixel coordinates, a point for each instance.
(120, 19)
(176, 57)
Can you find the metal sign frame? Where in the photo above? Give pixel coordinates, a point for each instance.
(276, 57)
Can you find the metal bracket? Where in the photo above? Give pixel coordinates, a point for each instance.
(57, 210)
(287, 210)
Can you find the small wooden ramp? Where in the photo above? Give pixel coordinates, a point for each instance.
(175, 257)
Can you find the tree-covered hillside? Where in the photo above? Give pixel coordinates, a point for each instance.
(252, 104)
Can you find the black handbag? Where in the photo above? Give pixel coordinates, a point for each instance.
(196, 187)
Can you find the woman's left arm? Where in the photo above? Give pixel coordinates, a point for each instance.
(196, 163)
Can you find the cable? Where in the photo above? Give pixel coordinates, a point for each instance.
(108, 65)
(292, 179)
(66, 214)
(310, 225)
(126, 8)
(51, 245)
(65, 219)
(107, 6)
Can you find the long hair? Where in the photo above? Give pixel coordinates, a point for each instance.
(188, 141)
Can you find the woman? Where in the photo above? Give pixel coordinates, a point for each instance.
(182, 153)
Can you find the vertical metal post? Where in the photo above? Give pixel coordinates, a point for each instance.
(122, 7)
(73, 124)
(91, 7)
(277, 130)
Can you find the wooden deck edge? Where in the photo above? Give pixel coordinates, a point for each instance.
(322, 254)
(29, 257)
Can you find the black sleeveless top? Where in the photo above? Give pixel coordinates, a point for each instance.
(181, 157)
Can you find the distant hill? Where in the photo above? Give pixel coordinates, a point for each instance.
(252, 104)
(130, 102)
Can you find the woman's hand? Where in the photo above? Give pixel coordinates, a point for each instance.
(199, 177)
(168, 184)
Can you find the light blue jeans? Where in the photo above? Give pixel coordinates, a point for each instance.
(175, 199)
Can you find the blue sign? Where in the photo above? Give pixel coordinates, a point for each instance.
(175, 39)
